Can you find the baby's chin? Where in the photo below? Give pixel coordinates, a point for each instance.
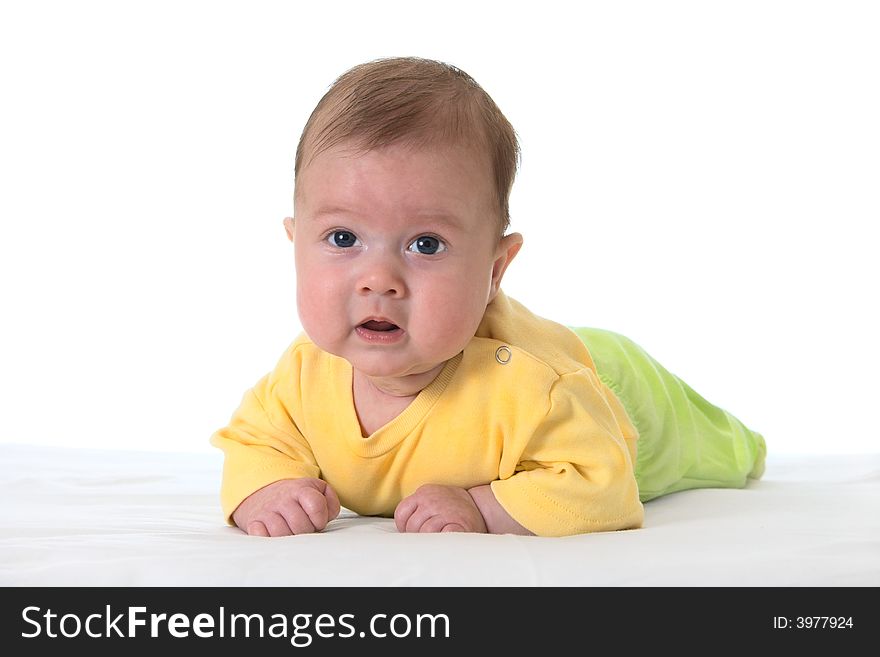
(386, 370)
(386, 363)
(396, 369)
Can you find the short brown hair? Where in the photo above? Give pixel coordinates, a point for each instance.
(416, 100)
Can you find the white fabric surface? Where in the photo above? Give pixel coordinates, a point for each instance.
(119, 518)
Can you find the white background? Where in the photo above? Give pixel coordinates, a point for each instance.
(703, 177)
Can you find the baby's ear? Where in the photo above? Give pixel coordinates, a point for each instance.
(507, 249)
(288, 227)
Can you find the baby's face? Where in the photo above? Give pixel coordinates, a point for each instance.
(399, 239)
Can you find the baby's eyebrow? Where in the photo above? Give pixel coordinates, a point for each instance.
(334, 210)
(438, 217)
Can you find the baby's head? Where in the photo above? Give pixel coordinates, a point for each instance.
(403, 175)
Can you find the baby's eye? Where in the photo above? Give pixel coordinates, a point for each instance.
(342, 238)
(427, 245)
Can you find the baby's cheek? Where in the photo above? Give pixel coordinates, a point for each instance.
(318, 313)
(453, 326)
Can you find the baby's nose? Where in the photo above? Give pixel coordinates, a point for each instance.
(382, 277)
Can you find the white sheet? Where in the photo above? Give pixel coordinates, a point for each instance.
(117, 518)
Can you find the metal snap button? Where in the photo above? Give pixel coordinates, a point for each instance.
(503, 355)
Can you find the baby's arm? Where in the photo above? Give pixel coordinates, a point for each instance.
(289, 506)
(438, 508)
(497, 520)
(268, 461)
(574, 473)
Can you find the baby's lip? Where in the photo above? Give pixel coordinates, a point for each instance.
(379, 323)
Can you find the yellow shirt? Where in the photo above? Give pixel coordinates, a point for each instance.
(553, 441)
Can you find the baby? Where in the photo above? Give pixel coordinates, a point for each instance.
(418, 389)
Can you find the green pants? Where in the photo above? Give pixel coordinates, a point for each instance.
(684, 441)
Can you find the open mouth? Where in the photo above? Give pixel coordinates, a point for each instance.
(374, 325)
(379, 332)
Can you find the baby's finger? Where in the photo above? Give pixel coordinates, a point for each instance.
(298, 520)
(333, 505)
(416, 520)
(314, 504)
(453, 527)
(256, 528)
(433, 525)
(403, 511)
(275, 524)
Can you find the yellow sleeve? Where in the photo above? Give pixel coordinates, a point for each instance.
(261, 443)
(575, 474)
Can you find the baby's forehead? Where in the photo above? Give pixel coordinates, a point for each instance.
(450, 186)
(354, 151)
(430, 175)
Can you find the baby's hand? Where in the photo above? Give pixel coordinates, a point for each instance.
(289, 506)
(436, 508)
